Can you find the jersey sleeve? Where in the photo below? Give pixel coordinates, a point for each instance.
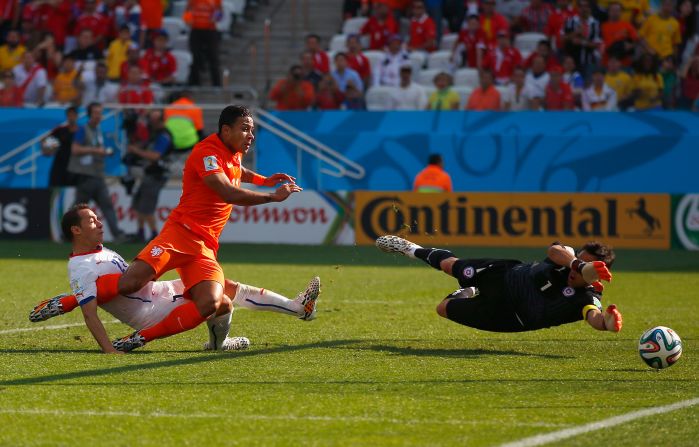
(588, 301)
(83, 283)
(206, 161)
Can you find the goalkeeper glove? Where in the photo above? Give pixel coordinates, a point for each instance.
(612, 319)
(591, 271)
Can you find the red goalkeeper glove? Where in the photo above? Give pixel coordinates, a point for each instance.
(612, 319)
(592, 271)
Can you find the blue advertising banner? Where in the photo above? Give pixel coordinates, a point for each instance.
(490, 151)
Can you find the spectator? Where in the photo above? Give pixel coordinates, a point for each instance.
(581, 37)
(293, 93)
(61, 149)
(11, 52)
(423, 31)
(151, 20)
(543, 49)
(129, 14)
(435, 9)
(690, 80)
(444, 98)
(185, 121)
(408, 95)
(471, 42)
(486, 96)
(670, 82)
(87, 50)
(572, 77)
(9, 16)
(618, 35)
(31, 79)
(92, 20)
(135, 90)
(380, 27)
(389, 70)
(620, 82)
(10, 93)
(535, 17)
(158, 63)
(98, 88)
(354, 8)
(48, 56)
(116, 53)
(687, 18)
(154, 155)
(433, 178)
(647, 84)
(66, 86)
(563, 11)
(201, 16)
(559, 95)
(328, 95)
(599, 96)
(492, 23)
(343, 74)
(537, 79)
(660, 34)
(635, 11)
(354, 98)
(87, 164)
(308, 69)
(516, 97)
(321, 61)
(502, 59)
(133, 59)
(357, 61)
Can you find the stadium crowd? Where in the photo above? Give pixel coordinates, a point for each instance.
(502, 55)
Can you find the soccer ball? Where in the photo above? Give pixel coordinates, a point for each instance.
(660, 347)
(50, 143)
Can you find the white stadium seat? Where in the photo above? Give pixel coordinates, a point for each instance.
(448, 40)
(379, 98)
(528, 41)
(464, 94)
(418, 59)
(440, 60)
(338, 43)
(375, 57)
(425, 77)
(466, 77)
(178, 33)
(184, 61)
(353, 25)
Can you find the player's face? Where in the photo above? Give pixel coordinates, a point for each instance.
(575, 279)
(240, 135)
(91, 231)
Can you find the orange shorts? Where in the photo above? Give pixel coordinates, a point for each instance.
(178, 248)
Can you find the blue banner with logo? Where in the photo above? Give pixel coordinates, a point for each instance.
(492, 151)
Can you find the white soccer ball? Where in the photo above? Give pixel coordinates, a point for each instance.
(660, 347)
(50, 143)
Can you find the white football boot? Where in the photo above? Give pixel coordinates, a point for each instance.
(395, 244)
(308, 299)
(231, 344)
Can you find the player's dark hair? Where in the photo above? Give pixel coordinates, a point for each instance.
(600, 251)
(434, 159)
(230, 115)
(71, 219)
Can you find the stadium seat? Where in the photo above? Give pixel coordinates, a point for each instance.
(379, 98)
(178, 32)
(464, 94)
(440, 60)
(184, 61)
(425, 77)
(501, 89)
(375, 57)
(417, 59)
(528, 41)
(338, 43)
(353, 25)
(448, 40)
(178, 7)
(466, 77)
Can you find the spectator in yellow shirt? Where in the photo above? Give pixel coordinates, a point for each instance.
(660, 34)
(444, 98)
(116, 53)
(634, 11)
(11, 53)
(620, 82)
(647, 84)
(66, 83)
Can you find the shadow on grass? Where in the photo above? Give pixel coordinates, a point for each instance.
(461, 353)
(142, 367)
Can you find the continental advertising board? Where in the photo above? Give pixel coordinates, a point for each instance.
(515, 219)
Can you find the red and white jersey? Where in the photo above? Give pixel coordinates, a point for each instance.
(139, 310)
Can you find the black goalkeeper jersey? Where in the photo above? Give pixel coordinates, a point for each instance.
(542, 297)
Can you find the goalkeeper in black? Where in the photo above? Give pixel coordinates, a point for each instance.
(502, 295)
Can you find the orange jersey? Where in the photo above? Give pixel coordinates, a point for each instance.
(201, 210)
(432, 179)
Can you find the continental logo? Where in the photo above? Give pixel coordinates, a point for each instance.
(515, 219)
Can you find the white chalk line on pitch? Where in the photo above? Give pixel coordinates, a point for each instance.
(566, 433)
(47, 328)
(260, 417)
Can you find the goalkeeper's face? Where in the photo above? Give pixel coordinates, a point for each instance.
(575, 279)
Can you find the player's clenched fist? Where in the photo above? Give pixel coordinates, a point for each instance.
(285, 191)
(612, 319)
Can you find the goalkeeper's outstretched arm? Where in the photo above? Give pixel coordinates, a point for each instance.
(609, 320)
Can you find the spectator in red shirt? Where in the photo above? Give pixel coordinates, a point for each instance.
(133, 58)
(535, 16)
(54, 17)
(94, 21)
(563, 11)
(559, 95)
(502, 59)
(472, 43)
(423, 32)
(159, 65)
(492, 23)
(356, 59)
(293, 93)
(543, 49)
(328, 96)
(321, 61)
(135, 90)
(11, 95)
(380, 26)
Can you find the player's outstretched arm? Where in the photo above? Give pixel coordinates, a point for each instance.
(96, 327)
(609, 320)
(248, 176)
(244, 197)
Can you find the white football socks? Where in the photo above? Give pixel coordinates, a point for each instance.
(219, 327)
(251, 297)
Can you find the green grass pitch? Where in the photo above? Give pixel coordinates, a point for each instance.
(377, 367)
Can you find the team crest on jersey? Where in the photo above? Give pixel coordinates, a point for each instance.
(210, 163)
(568, 291)
(156, 251)
(469, 272)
